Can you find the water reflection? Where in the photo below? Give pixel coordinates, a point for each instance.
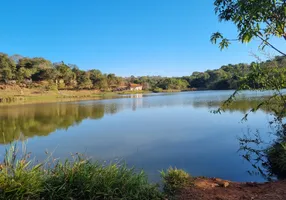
(22, 122)
(26, 121)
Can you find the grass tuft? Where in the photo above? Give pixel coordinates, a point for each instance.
(174, 180)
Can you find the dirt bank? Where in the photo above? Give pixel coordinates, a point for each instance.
(217, 189)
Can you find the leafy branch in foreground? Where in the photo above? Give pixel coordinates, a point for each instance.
(268, 159)
(262, 20)
(256, 19)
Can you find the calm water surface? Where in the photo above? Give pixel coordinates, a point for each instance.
(151, 132)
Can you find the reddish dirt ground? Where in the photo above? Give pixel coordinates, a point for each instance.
(217, 189)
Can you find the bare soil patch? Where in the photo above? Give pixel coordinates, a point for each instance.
(217, 189)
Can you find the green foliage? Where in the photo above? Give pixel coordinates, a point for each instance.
(276, 156)
(255, 19)
(157, 90)
(158, 83)
(263, 20)
(51, 86)
(174, 180)
(7, 68)
(268, 159)
(47, 74)
(36, 71)
(83, 179)
(19, 178)
(173, 83)
(76, 179)
(102, 84)
(65, 74)
(95, 76)
(29, 70)
(34, 68)
(83, 79)
(23, 73)
(235, 76)
(112, 79)
(269, 75)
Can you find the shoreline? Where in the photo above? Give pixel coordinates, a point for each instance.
(82, 179)
(34, 96)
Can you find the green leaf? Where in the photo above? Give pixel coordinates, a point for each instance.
(224, 44)
(246, 38)
(215, 37)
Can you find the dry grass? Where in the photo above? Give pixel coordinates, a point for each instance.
(16, 95)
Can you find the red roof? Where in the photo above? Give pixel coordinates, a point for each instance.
(132, 85)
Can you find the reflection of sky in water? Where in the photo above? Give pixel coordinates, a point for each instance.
(154, 132)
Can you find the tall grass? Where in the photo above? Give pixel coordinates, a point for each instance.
(23, 178)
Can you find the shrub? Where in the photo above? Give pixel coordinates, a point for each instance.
(61, 85)
(276, 156)
(174, 180)
(157, 90)
(52, 86)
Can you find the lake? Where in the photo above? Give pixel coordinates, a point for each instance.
(149, 131)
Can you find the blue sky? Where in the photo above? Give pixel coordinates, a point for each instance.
(126, 37)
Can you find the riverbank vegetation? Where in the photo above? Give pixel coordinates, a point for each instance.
(80, 178)
(18, 73)
(21, 177)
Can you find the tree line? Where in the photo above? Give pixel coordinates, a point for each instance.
(33, 72)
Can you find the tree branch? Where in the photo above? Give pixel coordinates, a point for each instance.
(273, 47)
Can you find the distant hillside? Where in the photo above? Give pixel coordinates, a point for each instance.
(228, 76)
(39, 72)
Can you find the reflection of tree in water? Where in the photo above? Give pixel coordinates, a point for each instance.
(241, 105)
(267, 158)
(40, 120)
(111, 108)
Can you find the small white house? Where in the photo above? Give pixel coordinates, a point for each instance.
(135, 87)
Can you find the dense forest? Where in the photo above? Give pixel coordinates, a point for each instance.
(39, 72)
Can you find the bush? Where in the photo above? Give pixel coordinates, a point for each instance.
(52, 86)
(276, 156)
(61, 85)
(174, 180)
(157, 90)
